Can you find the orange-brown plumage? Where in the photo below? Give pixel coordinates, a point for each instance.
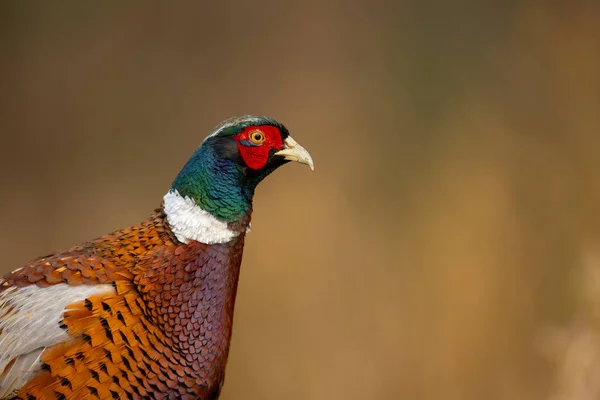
(129, 343)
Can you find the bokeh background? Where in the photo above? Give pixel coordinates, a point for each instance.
(447, 245)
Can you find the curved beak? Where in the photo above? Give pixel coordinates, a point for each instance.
(294, 152)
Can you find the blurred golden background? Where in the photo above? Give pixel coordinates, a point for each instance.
(447, 245)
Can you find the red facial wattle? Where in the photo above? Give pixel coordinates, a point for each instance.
(256, 155)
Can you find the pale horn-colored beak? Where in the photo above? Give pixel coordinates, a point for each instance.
(294, 152)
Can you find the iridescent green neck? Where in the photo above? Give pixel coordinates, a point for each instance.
(217, 185)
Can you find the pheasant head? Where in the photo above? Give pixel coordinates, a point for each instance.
(211, 199)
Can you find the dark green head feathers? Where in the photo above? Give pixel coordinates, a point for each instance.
(222, 174)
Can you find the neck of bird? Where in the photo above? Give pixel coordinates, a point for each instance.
(216, 185)
(210, 201)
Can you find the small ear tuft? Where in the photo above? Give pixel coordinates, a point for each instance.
(226, 148)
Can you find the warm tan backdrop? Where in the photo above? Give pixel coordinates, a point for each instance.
(447, 245)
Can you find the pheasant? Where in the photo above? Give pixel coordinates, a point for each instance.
(146, 311)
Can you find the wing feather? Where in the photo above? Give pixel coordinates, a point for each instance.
(30, 320)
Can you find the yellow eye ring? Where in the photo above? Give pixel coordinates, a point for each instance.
(256, 137)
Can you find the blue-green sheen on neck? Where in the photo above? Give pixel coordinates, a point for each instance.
(217, 185)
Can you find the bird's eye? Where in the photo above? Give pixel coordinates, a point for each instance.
(257, 137)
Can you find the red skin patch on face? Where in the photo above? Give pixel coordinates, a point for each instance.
(256, 157)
